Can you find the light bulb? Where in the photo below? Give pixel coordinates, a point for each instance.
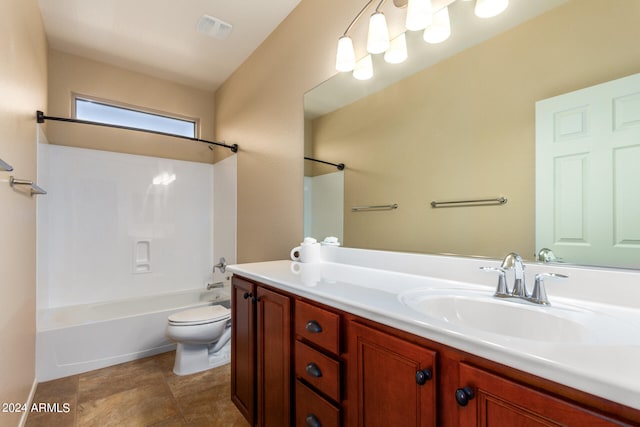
(346, 56)
(440, 29)
(364, 68)
(397, 51)
(490, 8)
(418, 14)
(378, 39)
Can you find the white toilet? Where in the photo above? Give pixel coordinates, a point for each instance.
(203, 336)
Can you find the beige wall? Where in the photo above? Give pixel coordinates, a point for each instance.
(475, 111)
(260, 108)
(465, 129)
(70, 74)
(23, 89)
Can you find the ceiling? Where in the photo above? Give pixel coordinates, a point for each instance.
(159, 37)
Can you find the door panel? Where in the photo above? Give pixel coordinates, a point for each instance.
(274, 358)
(384, 378)
(499, 402)
(243, 372)
(587, 174)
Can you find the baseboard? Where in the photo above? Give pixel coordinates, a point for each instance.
(32, 393)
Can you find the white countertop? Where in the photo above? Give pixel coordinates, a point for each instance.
(609, 368)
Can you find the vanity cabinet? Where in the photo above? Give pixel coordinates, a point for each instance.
(261, 353)
(392, 382)
(485, 399)
(301, 362)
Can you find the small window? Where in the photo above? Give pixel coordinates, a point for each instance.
(121, 116)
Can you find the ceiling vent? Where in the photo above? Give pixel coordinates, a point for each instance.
(214, 27)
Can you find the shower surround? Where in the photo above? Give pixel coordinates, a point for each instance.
(116, 227)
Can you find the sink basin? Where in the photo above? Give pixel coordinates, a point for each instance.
(481, 311)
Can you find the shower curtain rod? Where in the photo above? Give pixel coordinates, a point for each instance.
(340, 166)
(40, 117)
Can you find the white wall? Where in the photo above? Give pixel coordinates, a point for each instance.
(23, 85)
(99, 205)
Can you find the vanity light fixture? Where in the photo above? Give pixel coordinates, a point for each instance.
(378, 37)
(421, 15)
(490, 8)
(397, 51)
(346, 55)
(440, 29)
(364, 68)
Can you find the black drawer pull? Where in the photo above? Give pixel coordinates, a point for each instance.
(313, 327)
(313, 370)
(313, 421)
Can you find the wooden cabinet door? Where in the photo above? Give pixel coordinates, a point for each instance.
(273, 358)
(243, 371)
(499, 402)
(382, 372)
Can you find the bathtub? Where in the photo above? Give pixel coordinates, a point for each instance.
(80, 338)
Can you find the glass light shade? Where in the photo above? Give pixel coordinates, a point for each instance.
(346, 56)
(378, 39)
(418, 14)
(440, 29)
(364, 68)
(490, 8)
(397, 51)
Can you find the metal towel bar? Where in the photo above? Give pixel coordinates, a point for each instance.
(473, 202)
(5, 167)
(34, 188)
(374, 208)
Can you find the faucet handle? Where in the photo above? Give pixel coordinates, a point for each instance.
(501, 289)
(539, 294)
(222, 265)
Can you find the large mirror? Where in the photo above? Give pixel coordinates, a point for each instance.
(461, 128)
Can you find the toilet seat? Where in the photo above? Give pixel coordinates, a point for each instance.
(200, 316)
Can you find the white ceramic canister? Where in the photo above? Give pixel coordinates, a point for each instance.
(308, 251)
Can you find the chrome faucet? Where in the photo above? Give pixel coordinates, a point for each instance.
(513, 261)
(222, 266)
(215, 285)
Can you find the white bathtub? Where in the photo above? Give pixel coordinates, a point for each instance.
(80, 338)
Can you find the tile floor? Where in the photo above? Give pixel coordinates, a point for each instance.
(143, 392)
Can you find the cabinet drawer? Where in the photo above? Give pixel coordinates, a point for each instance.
(317, 325)
(321, 371)
(313, 410)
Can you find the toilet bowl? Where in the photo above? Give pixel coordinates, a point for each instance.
(203, 336)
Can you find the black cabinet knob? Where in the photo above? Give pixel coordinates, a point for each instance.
(313, 327)
(246, 295)
(313, 370)
(312, 421)
(464, 395)
(423, 376)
